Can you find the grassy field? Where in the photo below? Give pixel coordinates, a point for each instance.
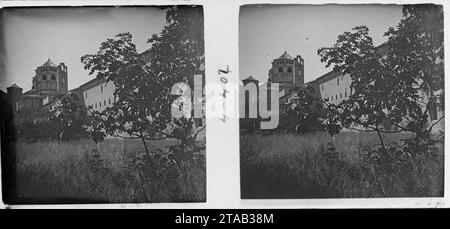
(304, 166)
(68, 172)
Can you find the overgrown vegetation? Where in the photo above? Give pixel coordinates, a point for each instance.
(315, 166)
(396, 88)
(118, 171)
(143, 109)
(48, 167)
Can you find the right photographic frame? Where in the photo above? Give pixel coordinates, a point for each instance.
(341, 101)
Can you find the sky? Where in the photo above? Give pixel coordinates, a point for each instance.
(266, 31)
(28, 37)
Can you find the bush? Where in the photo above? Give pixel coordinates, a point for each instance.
(319, 170)
(33, 132)
(155, 177)
(112, 172)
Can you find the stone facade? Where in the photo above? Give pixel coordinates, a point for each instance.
(50, 81)
(50, 84)
(334, 87)
(287, 71)
(98, 94)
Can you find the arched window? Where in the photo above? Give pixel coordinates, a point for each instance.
(53, 77)
(280, 69)
(289, 69)
(44, 77)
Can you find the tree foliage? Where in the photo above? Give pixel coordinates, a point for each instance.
(396, 83)
(67, 119)
(307, 113)
(143, 89)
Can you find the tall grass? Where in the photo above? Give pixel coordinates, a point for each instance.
(82, 172)
(318, 166)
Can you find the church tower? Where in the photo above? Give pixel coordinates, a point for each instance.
(287, 71)
(15, 96)
(50, 79)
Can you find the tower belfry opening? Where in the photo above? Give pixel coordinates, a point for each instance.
(287, 71)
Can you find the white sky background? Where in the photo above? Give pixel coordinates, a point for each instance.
(65, 34)
(266, 31)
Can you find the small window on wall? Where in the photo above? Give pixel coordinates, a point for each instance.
(104, 102)
(289, 69)
(280, 69)
(109, 101)
(101, 89)
(322, 87)
(95, 105)
(338, 81)
(340, 95)
(345, 93)
(85, 94)
(53, 77)
(44, 77)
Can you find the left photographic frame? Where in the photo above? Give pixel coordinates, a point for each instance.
(97, 107)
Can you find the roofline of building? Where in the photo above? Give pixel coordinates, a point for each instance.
(91, 83)
(14, 86)
(250, 78)
(332, 74)
(97, 81)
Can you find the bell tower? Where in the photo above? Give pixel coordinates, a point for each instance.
(287, 71)
(62, 77)
(50, 79)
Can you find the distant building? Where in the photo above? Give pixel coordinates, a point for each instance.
(99, 94)
(333, 86)
(50, 85)
(288, 72)
(49, 82)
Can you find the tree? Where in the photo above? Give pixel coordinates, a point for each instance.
(143, 107)
(67, 118)
(307, 113)
(388, 82)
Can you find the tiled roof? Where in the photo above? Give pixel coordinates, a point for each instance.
(14, 86)
(285, 55)
(250, 78)
(48, 63)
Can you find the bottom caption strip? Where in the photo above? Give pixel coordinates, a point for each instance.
(224, 218)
